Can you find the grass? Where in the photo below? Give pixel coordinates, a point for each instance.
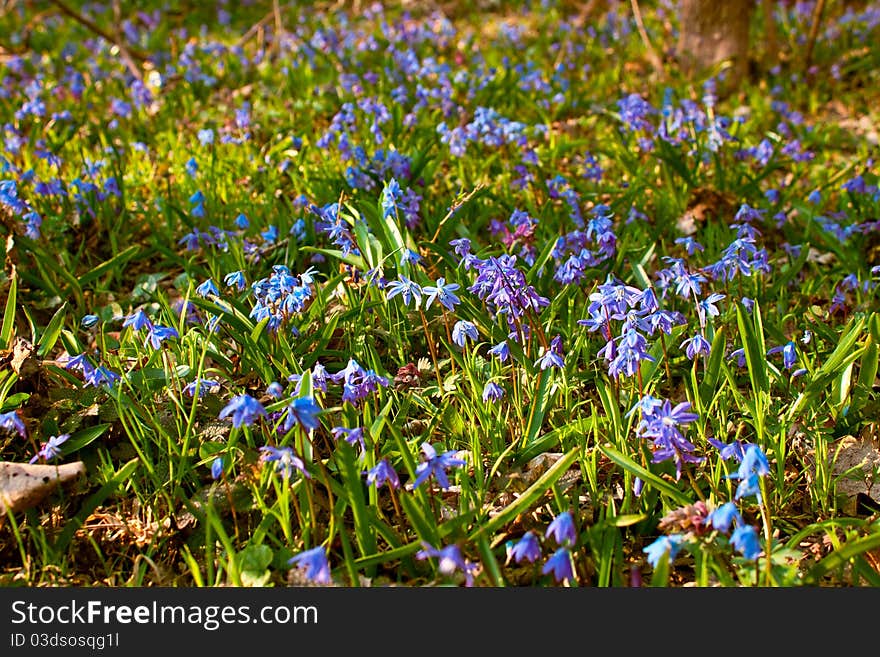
(531, 158)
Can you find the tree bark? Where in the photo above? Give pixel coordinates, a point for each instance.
(712, 32)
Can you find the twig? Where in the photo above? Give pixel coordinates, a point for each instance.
(456, 204)
(818, 10)
(128, 55)
(652, 55)
(255, 28)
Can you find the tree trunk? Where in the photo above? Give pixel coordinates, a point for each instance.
(712, 32)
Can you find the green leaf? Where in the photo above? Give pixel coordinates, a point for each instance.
(752, 337)
(709, 385)
(867, 375)
(82, 438)
(539, 407)
(9, 314)
(115, 263)
(53, 331)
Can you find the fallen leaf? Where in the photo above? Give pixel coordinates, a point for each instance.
(25, 485)
(861, 459)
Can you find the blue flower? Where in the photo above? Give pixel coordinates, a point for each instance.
(408, 289)
(724, 516)
(12, 422)
(217, 467)
(304, 412)
(390, 194)
(526, 548)
(137, 320)
(158, 334)
(204, 386)
(285, 460)
(745, 540)
(207, 288)
(244, 410)
(696, 345)
(235, 279)
(314, 563)
(442, 292)
(463, 330)
(664, 545)
(501, 351)
(560, 565)
(382, 473)
(275, 390)
(562, 529)
(50, 449)
(707, 305)
(88, 321)
(753, 466)
(437, 465)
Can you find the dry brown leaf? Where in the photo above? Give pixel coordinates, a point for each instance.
(25, 485)
(856, 454)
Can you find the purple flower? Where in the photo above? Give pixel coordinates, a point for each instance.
(285, 460)
(560, 565)
(695, 346)
(735, 450)
(707, 305)
(244, 410)
(382, 473)
(562, 529)
(449, 560)
(553, 356)
(352, 436)
(437, 465)
(50, 449)
(492, 392)
(526, 548)
(314, 563)
(661, 424)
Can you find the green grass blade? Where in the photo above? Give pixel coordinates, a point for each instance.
(9, 314)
